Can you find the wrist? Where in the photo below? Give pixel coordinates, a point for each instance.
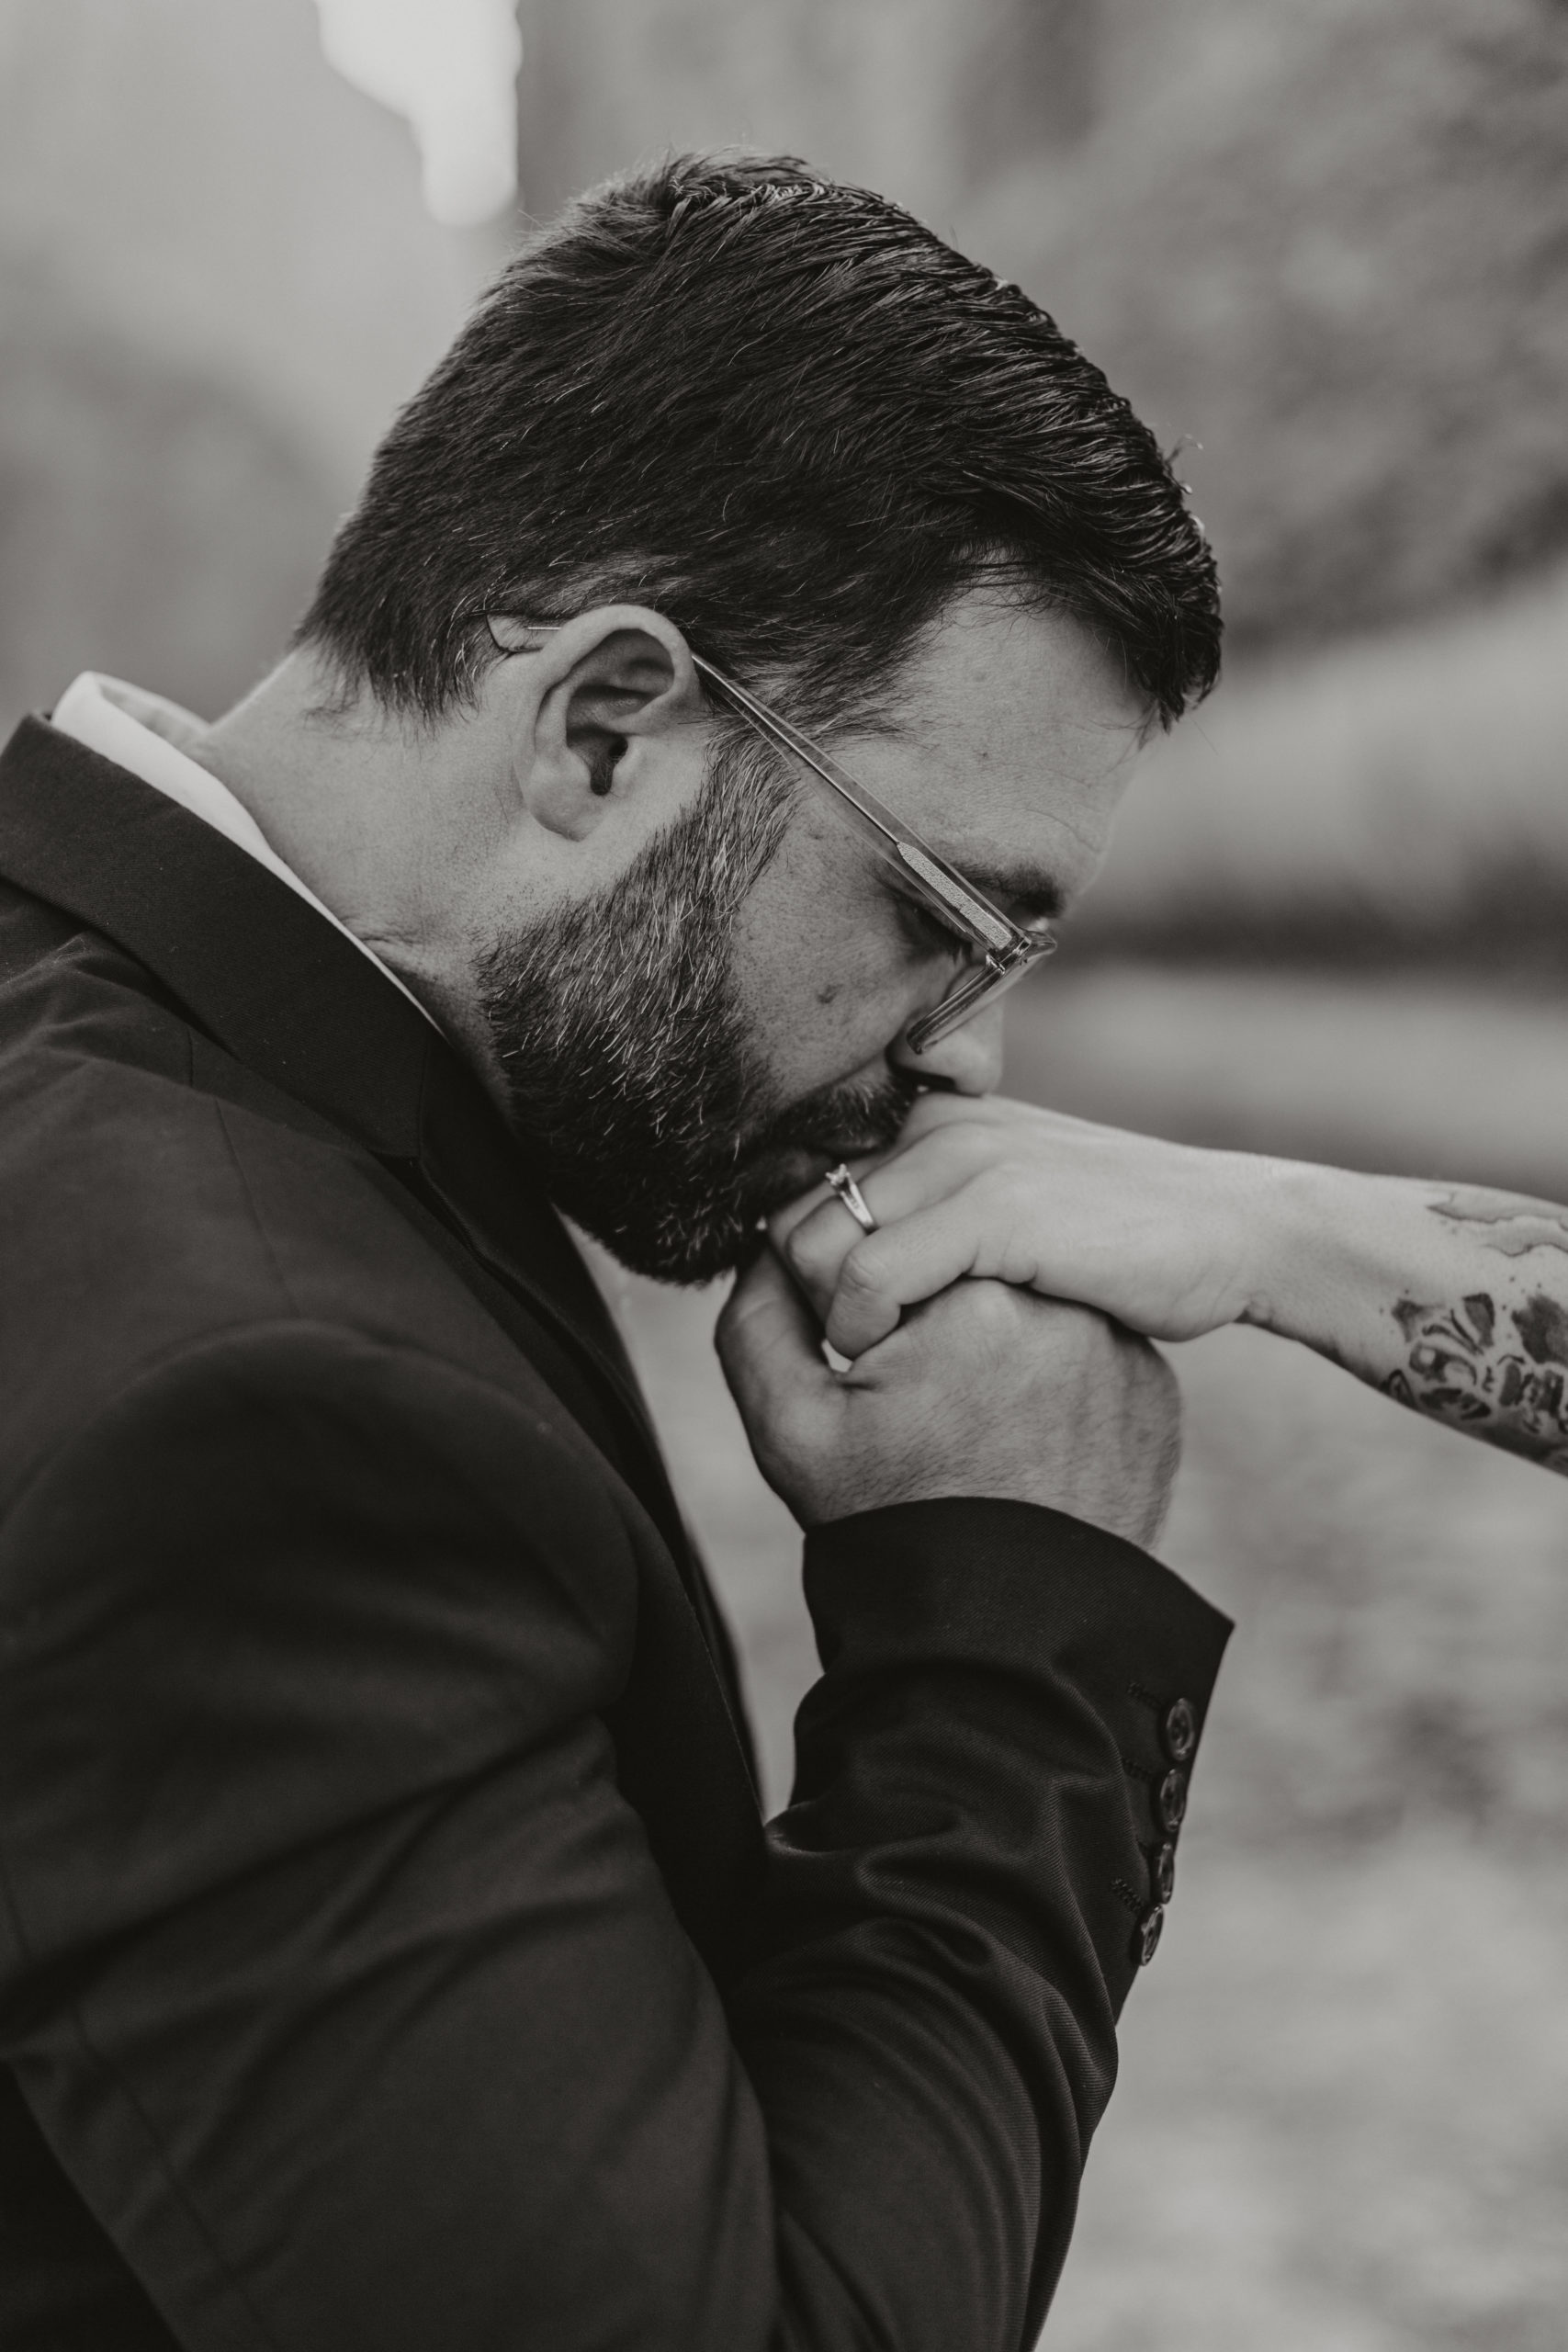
(1309, 1227)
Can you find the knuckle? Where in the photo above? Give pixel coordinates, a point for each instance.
(864, 1273)
(804, 1249)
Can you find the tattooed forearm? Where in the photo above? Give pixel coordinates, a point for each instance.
(1451, 1298)
(1497, 1371)
(1506, 1222)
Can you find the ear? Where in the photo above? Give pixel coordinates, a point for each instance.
(586, 697)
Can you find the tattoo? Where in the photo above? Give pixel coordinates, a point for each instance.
(1464, 1366)
(1543, 1327)
(1514, 1225)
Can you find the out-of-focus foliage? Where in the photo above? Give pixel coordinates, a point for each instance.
(1325, 239)
(1331, 243)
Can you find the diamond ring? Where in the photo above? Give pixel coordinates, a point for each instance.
(848, 1191)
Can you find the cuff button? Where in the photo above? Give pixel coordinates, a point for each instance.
(1146, 1943)
(1180, 1729)
(1170, 1801)
(1162, 1874)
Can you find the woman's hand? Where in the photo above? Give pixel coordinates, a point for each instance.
(1449, 1298)
(1170, 1241)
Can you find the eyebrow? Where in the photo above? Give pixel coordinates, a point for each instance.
(1036, 895)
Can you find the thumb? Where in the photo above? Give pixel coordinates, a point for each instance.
(769, 1343)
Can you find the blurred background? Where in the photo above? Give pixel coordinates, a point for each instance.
(1323, 245)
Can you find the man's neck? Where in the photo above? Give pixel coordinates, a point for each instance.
(304, 776)
(361, 806)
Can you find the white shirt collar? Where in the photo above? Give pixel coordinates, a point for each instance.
(142, 732)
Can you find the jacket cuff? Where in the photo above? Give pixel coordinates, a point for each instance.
(1002, 1575)
(1015, 1590)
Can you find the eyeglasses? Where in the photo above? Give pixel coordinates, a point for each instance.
(998, 950)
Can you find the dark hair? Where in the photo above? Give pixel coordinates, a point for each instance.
(785, 414)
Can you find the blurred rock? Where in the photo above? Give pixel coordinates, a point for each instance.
(1396, 798)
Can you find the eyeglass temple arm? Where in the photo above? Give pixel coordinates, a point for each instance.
(991, 927)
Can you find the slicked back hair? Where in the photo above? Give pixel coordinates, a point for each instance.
(785, 415)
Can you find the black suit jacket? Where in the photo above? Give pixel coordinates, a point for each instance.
(391, 1954)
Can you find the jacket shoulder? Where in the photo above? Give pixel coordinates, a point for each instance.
(152, 1198)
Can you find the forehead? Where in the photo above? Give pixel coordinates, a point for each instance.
(1013, 735)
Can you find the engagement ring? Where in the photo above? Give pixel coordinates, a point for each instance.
(854, 1199)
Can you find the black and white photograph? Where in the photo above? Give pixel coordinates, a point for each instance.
(784, 1175)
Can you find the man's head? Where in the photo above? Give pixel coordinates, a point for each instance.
(723, 408)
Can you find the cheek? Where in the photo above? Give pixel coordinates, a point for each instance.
(819, 972)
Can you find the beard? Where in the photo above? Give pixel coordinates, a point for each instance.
(628, 1065)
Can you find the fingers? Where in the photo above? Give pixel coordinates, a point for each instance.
(994, 1190)
(946, 1140)
(941, 1213)
(783, 1222)
(813, 1238)
(768, 1342)
(930, 1112)
(897, 1268)
(818, 1233)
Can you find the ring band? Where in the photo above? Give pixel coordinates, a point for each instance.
(848, 1191)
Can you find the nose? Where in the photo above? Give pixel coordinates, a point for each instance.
(968, 1060)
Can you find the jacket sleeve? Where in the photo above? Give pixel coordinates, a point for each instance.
(334, 1966)
(960, 1894)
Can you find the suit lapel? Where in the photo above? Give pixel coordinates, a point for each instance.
(472, 1165)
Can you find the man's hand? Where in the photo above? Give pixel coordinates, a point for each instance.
(985, 1390)
(1170, 1241)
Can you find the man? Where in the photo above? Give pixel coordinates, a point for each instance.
(392, 1953)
